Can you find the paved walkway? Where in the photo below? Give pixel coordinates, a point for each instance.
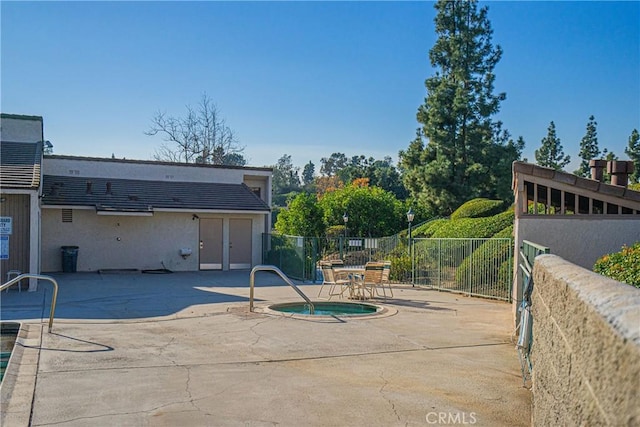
(182, 349)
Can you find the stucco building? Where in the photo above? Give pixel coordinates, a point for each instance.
(21, 146)
(131, 214)
(579, 219)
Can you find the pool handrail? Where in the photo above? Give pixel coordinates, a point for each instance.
(41, 277)
(284, 277)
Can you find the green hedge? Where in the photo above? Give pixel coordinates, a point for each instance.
(475, 227)
(427, 229)
(623, 266)
(481, 266)
(478, 208)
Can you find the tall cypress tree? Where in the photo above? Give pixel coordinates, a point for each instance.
(633, 151)
(551, 154)
(588, 148)
(457, 162)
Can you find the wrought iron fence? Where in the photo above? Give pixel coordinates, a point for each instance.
(480, 267)
(296, 256)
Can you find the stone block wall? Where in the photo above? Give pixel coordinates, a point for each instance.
(586, 347)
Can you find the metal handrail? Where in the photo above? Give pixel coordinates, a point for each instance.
(37, 276)
(283, 276)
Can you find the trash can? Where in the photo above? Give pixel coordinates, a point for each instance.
(69, 259)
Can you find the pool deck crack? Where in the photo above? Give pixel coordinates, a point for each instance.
(382, 394)
(280, 360)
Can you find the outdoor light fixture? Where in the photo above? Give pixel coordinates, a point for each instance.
(410, 216)
(345, 218)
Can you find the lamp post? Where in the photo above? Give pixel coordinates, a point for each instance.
(410, 216)
(345, 218)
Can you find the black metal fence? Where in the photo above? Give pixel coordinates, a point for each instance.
(481, 267)
(298, 256)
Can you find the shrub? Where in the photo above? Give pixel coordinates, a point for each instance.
(505, 233)
(335, 231)
(427, 229)
(400, 266)
(623, 266)
(482, 267)
(475, 227)
(478, 208)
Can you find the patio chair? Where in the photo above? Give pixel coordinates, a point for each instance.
(333, 279)
(337, 262)
(14, 273)
(386, 272)
(370, 281)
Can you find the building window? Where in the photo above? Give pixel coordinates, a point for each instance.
(256, 191)
(67, 215)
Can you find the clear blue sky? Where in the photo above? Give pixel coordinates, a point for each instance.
(307, 78)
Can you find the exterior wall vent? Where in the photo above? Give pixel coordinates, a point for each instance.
(67, 215)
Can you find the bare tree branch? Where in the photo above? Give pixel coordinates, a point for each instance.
(202, 136)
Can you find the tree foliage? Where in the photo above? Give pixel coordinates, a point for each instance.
(608, 156)
(372, 211)
(302, 217)
(550, 154)
(326, 184)
(285, 176)
(465, 155)
(201, 136)
(308, 173)
(330, 166)
(588, 148)
(633, 151)
(380, 173)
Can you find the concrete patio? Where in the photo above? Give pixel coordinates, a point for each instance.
(183, 349)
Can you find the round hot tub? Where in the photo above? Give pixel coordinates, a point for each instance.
(329, 309)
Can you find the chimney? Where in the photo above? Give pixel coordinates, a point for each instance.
(108, 187)
(89, 185)
(597, 169)
(620, 170)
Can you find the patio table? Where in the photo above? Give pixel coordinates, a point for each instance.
(355, 292)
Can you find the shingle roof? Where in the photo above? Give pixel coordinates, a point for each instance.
(109, 194)
(20, 164)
